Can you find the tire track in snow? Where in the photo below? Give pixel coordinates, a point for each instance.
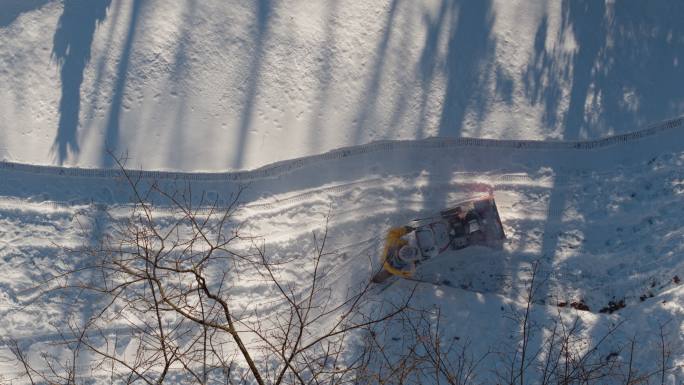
(274, 202)
(463, 180)
(264, 212)
(264, 204)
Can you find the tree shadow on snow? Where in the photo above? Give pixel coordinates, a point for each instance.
(112, 127)
(622, 74)
(263, 12)
(469, 51)
(11, 9)
(625, 71)
(71, 49)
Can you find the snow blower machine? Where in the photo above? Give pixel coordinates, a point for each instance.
(472, 222)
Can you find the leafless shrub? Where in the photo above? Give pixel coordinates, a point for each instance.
(564, 354)
(418, 350)
(169, 309)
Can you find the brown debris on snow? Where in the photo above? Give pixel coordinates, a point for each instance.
(579, 305)
(613, 306)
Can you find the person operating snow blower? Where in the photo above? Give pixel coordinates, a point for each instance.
(472, 222)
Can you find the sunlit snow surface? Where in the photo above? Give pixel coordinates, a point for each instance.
(227, 85)
(216, 85)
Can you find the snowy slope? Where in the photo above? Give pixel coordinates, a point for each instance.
(603, 219)
(217, 85)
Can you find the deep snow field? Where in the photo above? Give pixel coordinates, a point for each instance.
(353, 109)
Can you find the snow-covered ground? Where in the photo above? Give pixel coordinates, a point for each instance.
(262, 87)
(605, 224)
(218, 85)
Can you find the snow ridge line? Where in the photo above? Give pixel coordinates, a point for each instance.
(279, 168)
